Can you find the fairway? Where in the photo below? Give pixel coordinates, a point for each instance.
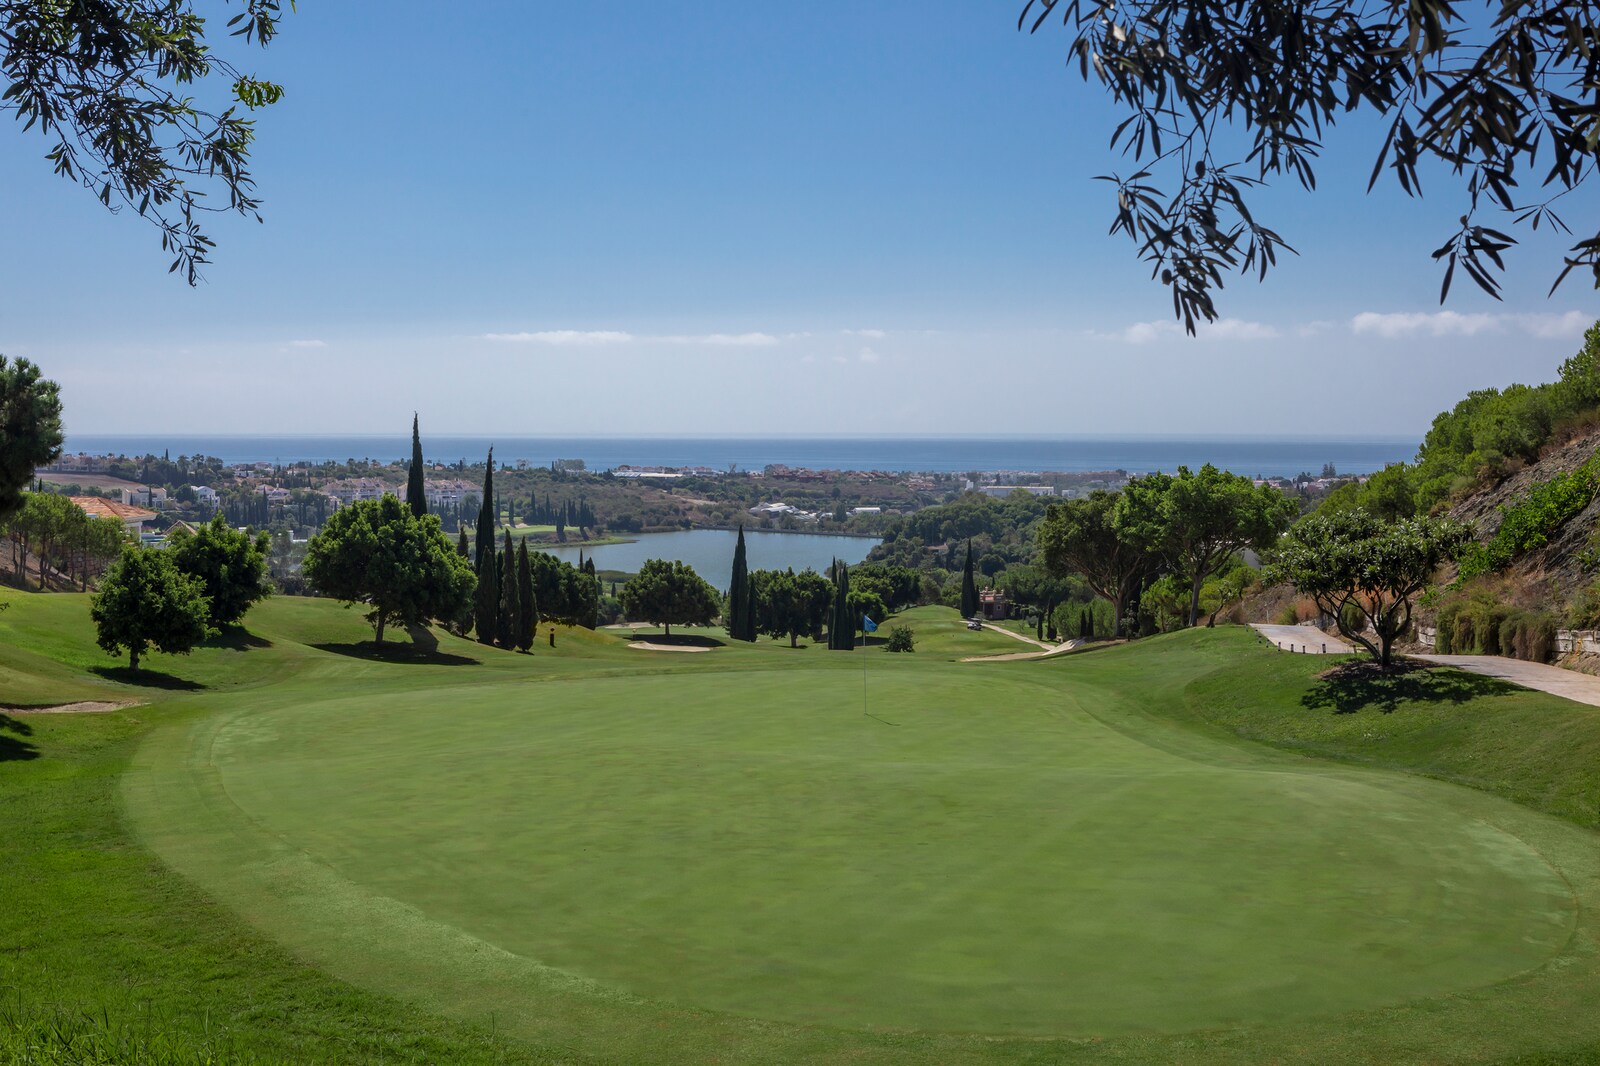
(1002, 849)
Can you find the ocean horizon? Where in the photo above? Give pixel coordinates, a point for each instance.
(1254, 455)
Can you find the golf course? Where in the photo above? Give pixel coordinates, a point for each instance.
(294, 844)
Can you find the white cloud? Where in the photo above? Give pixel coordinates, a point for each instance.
(870, 334)
(722, 340)
(1557, 327)
(868, 355)
(1311, 329)
(1436, 324)
(1545, 326)
(1223, 329)
(308, 344)
(563, 337)
(567, 337)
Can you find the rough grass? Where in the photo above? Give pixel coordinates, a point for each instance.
(105, 951)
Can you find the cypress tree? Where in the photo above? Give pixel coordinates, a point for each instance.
(416, 494)
(1085, 626)
(486, 603)
(738, 591)
(461, 543)
(527, 608)
(969, 590)
(510, 613)
(486, 520)
(1038, 629)
(844, 620)
(833, 608)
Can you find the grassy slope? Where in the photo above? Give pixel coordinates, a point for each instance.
(94, 924)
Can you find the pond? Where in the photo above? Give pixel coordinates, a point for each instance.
(710, 551)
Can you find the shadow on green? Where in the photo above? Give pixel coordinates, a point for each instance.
(405, 654)
(1357, 686)
(146, 678)
(15, 748)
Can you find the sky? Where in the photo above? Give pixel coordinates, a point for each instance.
(713, 217)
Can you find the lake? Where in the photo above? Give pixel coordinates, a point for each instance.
(710, 551)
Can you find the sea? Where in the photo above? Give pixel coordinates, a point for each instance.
(1255, 456)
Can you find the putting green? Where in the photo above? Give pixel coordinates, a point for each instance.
(995, 850)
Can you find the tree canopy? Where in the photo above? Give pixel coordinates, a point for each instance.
(117, 88)
(230, 564)
(1198, 520)
(146, 602)
(667, 592)
(376, 552)
(1352, 563)
(30, 428)
(792, 605)
(1082, 537)
(1221, 98)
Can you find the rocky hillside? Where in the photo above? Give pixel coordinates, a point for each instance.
(1546, 577)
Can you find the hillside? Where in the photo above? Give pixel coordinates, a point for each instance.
(1548, 577)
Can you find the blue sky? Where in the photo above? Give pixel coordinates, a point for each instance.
(719, 217)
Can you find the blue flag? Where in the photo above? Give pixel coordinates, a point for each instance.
(868, 625)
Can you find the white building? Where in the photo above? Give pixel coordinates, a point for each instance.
(145, 497)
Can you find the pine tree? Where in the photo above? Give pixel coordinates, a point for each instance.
(416, 494)
(486, 519)
(969, 590)
(510, 613)
(738, 590)
(527, 608)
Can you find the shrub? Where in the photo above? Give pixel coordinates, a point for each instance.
(901, 638)
(1584, 610)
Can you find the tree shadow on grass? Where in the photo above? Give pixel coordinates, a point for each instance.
(392, 652)
(146, 678)
(1356, 686)
(236, 638)
(13, 748)
(680, 640)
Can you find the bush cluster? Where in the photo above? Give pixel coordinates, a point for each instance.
(1479, 626)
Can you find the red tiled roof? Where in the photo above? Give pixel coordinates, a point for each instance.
(96, 507)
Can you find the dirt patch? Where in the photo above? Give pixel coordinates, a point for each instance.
(647, 646)
(81, 707)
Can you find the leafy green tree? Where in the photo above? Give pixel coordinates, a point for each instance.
(791, 605)
(118, 89)
(146, 602)
(377, 553)
(1491, 93)
(230, 563)
(527, 609)
(666, 593)
(30, 425)
(416, 490)
(1198, 521)
(739, 593)
(902, 639)
(44, 522)
(1360, 569)
(969, 589)
(1082, 537)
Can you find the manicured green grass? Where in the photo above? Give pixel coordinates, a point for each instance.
(459, 854)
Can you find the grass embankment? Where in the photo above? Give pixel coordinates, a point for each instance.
(723, 857)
